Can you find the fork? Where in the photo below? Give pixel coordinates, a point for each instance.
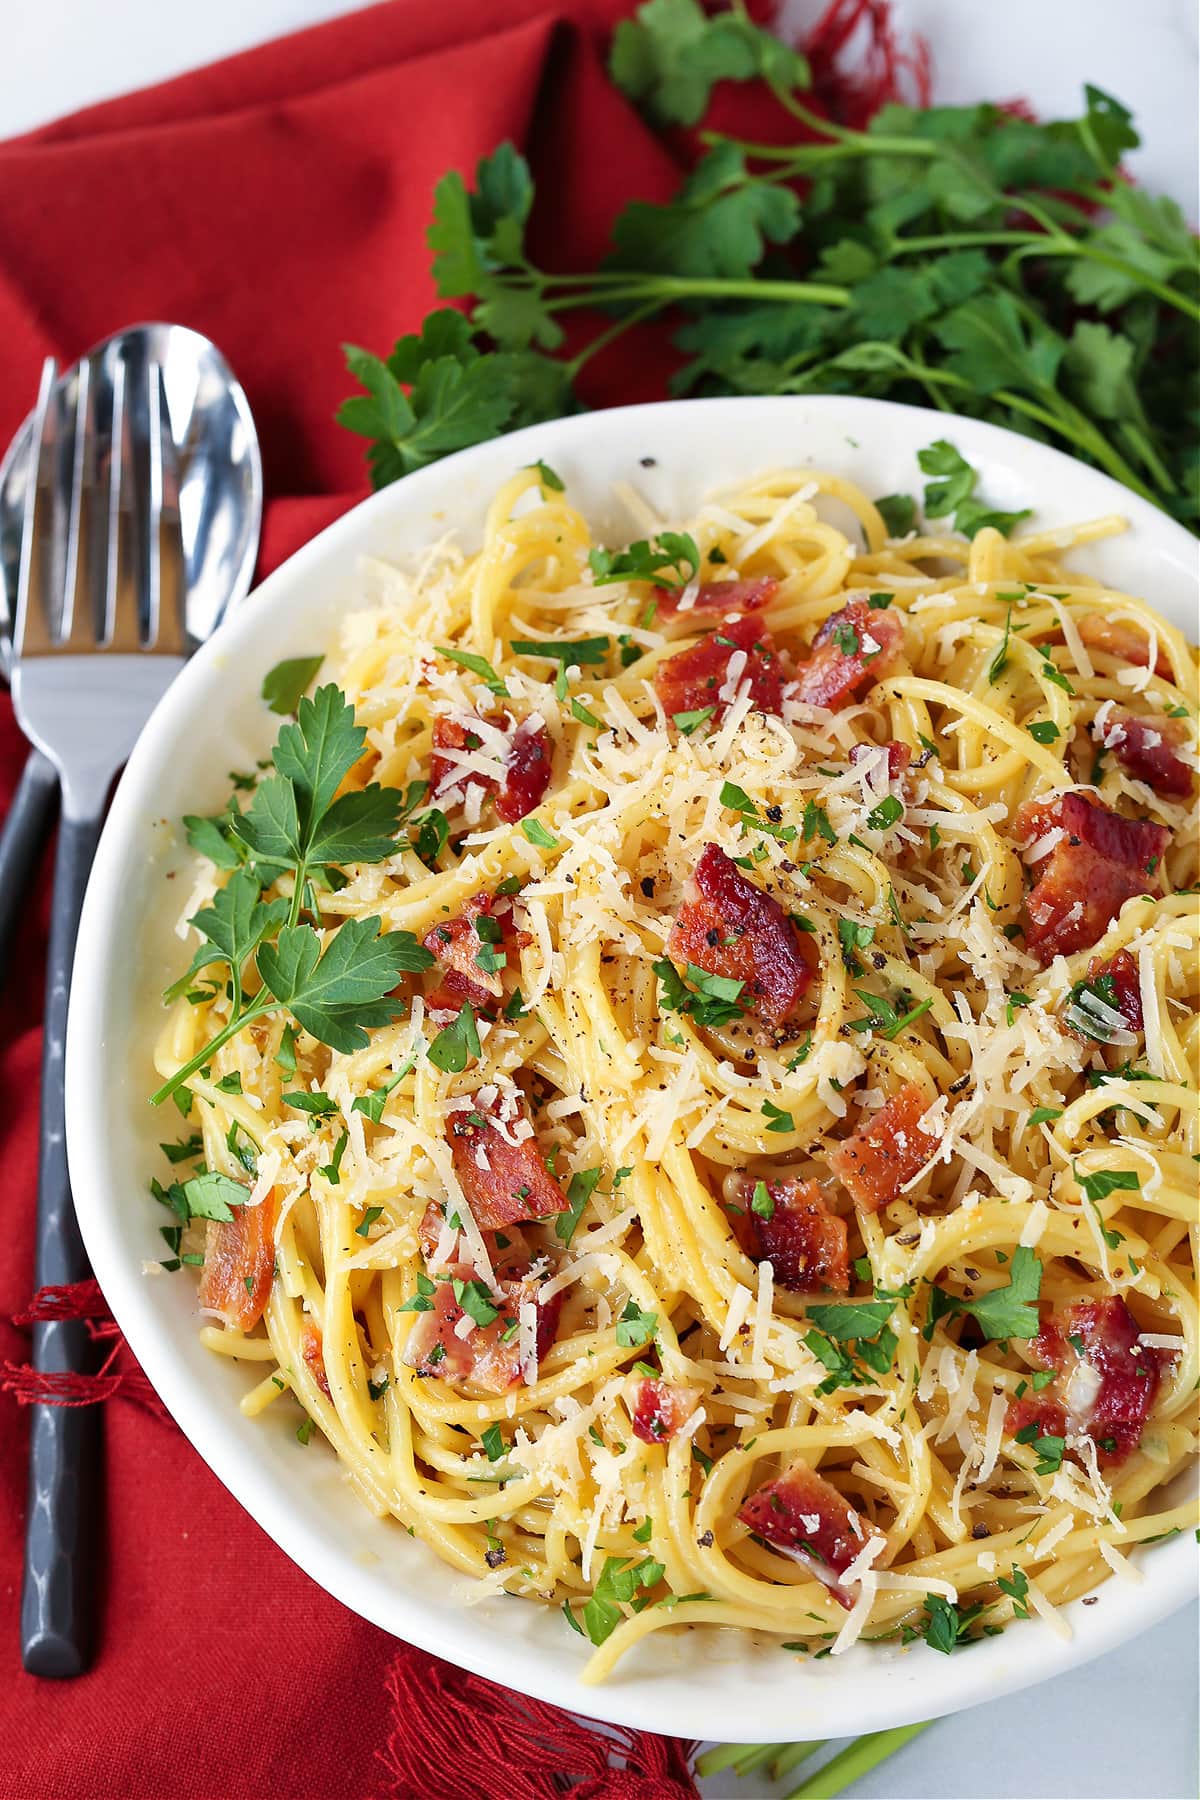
(99, 636)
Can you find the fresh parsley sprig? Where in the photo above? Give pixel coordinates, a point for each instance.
(340, 986)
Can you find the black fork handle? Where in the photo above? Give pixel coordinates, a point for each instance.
(22, 839)
(64, 1451)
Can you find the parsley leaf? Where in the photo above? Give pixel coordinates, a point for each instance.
(566, 651)
(210, 1195)
(341, 992)
(580, 1189)
(476, 665)
(670, 57)
(898, 512)
(954, 491)
(671, 560)
(636, 1328)
(710, 999)
(1005, 1312)
(456, 1044)
(287, 681)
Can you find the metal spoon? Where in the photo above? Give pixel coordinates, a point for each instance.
(220, 505)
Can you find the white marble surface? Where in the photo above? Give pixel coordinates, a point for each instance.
(1125, 1726)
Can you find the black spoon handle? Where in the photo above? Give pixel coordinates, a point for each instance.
(64, 1440)
(22, 839)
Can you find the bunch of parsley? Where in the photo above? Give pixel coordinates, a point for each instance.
(953, 256)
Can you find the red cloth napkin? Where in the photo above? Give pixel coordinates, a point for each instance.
(278, 202)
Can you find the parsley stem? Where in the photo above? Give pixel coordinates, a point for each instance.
(663, 289)
(792, 1755)
(733, 1756)
(237, 1023)
(855, 1761)
(1062, 244)
(610, 336)
(1074, 425)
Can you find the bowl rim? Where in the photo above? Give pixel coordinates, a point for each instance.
(854, 1699)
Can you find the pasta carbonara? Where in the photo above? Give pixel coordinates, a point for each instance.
(766, 1196)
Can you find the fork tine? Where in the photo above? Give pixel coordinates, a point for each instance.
(168, 626)
(121, 596)
(31, 633)
(79, 625)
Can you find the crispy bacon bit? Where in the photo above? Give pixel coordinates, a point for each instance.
(723, 597)
(239, 1262)
(728, 926)
(710, 673)
(527, 769)
(1104, 1384)
(508, 1249)
(886, 1151)
(488, 1358)
(1121, 638)
(1146, 749)
(804, 1516)
(528, 773)
(662, 1408)
(445, 773)
(1102, 861)
(313, 1350)
(852, 649)
(898, 756)
(457, 945)
(1118, 984)
(503, 1182)
(805, 1242)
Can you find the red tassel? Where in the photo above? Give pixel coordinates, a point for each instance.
(118, 1377)
(82, 1300)
(457, 1737)
(883, 68)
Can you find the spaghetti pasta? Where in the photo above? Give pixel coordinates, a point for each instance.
(776, 1208)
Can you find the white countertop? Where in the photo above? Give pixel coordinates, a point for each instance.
(1123, 1726)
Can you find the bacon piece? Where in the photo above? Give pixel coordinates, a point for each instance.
(1103, 861)
(488, 1359)
(805, 1242)
(457, 944)
(727, 926)
(528, 765)
(1119, 986)
(1104, 1384)
(1146, 749)
(886, 1151)
(898, 756)
(312, 1349)
(696, 677)
(503, 1182)
(239, 1262)
(662, 1408)
(852, 649)
(1121, 638)
(528, 776)
(804, 1516)
(508, 1249)
(723, 597)
(445, 773)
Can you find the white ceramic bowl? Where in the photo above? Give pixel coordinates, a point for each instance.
(697, 1683)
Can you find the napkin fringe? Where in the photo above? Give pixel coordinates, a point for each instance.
(882, 69)
(117, 1376)
(459, 1737)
